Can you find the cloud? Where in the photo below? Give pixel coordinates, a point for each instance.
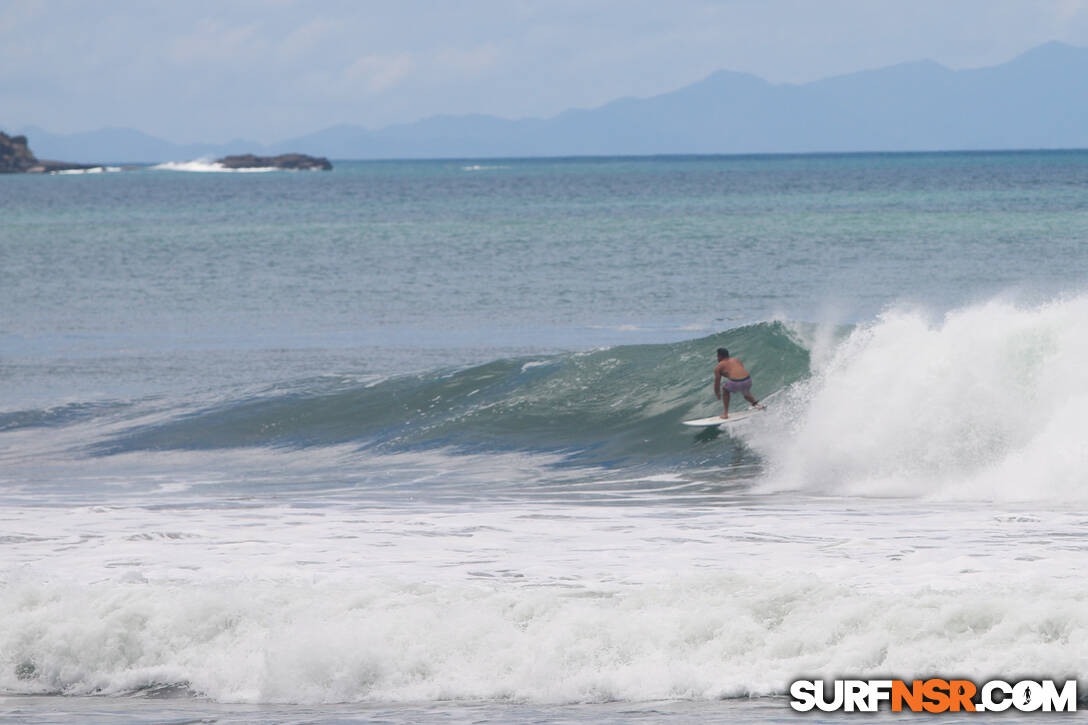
(14, 16)
(377, 73)
(212, 41)
(1066, 10)
(308, 37)
(468, 61)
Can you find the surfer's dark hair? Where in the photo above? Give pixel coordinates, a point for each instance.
(722, 352)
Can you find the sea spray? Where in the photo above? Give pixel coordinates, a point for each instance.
(989, 401)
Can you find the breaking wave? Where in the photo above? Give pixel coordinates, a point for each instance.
(987, 401)
(208, 166)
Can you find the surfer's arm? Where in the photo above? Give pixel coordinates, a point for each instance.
(718, 383)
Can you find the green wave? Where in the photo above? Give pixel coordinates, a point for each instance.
(612, 406)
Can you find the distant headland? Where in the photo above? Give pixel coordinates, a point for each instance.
(17, 158)
(294, 162)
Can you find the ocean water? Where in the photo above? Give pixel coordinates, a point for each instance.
(401, 442)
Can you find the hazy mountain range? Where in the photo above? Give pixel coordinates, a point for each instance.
(1038, 100)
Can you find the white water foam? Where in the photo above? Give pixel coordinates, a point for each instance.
(93, 170)
(208, 166)
(556, 604)
(990, 402)
(536, 364)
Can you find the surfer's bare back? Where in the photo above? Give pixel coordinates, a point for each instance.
(737, 380)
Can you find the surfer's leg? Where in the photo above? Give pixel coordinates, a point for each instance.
(725, 401)
(747, 390)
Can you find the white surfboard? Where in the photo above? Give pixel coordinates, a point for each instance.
(717, 421)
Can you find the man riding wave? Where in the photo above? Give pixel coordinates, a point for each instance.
(737, 380)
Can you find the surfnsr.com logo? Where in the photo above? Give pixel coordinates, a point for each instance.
(934, 695)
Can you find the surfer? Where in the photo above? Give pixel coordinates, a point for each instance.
(737, 380)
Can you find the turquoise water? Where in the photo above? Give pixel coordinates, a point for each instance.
(406, 434)
(459, 255)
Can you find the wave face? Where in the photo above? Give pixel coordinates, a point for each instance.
(615, 407)
(987, 401)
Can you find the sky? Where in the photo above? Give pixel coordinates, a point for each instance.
(267, 70)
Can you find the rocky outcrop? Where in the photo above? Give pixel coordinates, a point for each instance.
(297, 162)
(15, 155)
(16, 158)
(49, 167)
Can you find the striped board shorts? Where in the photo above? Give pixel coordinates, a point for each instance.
(729, 385)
